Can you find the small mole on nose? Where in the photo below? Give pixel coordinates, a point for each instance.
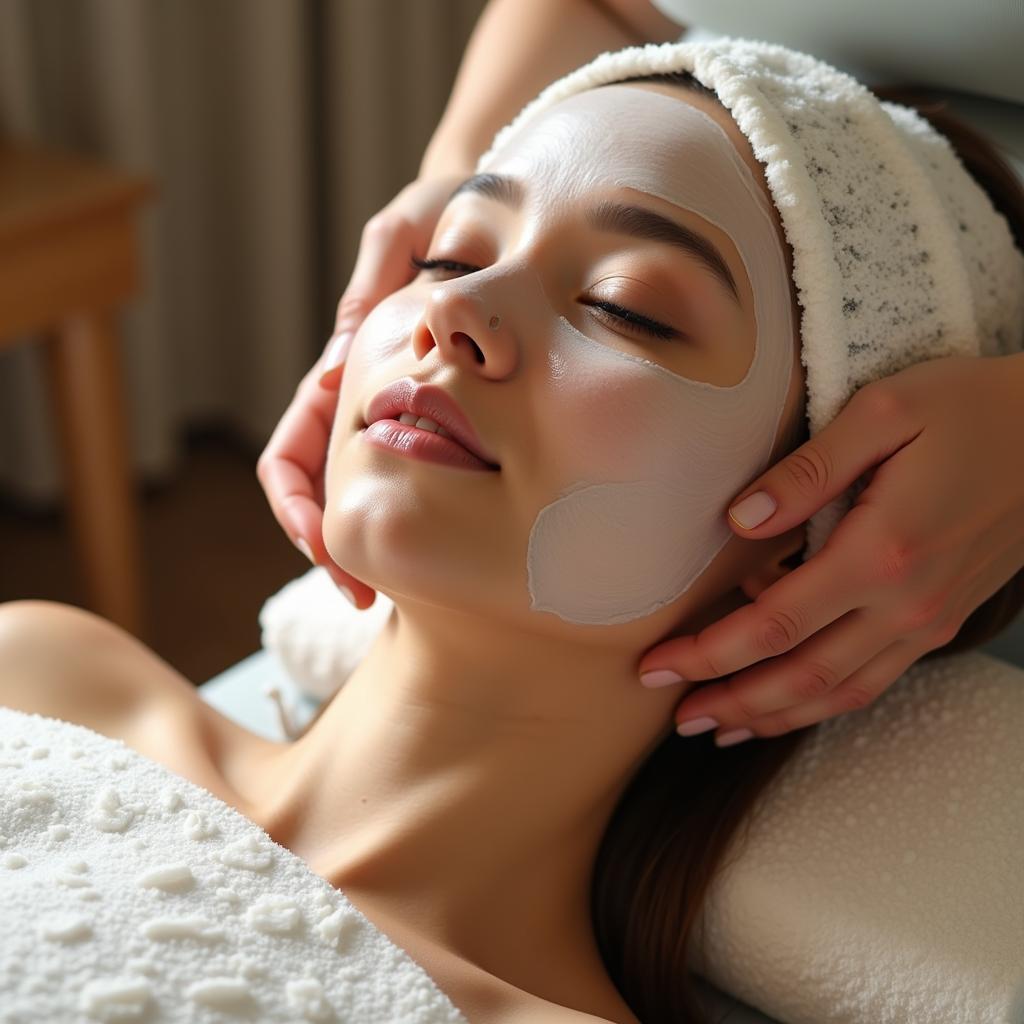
(493, 322)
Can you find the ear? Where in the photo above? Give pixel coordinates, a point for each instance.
(776, 563)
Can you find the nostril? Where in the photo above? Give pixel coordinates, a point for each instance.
(460, 336)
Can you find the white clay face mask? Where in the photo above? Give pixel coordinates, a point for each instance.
(664, 455)
(643, 461)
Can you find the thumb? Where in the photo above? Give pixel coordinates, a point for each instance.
(863, 434)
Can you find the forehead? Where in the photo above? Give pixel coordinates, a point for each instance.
(720, 114)
(663, 146)
(713, 109)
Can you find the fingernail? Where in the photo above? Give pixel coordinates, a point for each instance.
(337, 352)
(301, 544)
(336, 579)
(753, 510)
(696, 725)
(727, 739)
(660, 677)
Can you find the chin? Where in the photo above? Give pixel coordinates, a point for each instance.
(397, 548)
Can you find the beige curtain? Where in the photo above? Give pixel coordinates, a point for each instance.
(274, 129)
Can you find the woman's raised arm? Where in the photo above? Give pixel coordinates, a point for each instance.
(517, 48)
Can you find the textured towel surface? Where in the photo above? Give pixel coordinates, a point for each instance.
(898, 254)
(130, 894)
(884, 878)
(883, 882)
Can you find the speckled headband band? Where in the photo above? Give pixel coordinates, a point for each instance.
(898, 254)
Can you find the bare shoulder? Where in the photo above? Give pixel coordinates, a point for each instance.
(64, 662)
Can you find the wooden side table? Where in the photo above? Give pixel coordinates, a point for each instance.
(68, 259)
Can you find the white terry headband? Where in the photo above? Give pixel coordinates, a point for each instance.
(898, 254)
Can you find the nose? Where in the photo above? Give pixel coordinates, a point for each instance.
(469, 324)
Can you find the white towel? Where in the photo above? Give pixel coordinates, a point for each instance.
(883, 882)
(128, 893)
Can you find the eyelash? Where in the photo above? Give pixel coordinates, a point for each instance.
(635, 320)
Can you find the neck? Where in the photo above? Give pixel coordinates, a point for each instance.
(464, 776)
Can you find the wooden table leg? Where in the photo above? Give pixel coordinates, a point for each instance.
(84, 367)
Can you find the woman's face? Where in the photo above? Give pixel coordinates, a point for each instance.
(614, 316)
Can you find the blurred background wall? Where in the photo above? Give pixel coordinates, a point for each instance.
(273, 129)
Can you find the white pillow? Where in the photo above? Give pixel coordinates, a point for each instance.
(318, 636)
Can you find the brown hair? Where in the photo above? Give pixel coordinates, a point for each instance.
(690, 804)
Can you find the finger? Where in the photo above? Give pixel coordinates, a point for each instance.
(332, 361)
(291, 473)
(812, 670)
(797, 606)
(382, 267)
(302, 519)
(857, 693)
(299, 441)
(869, 428)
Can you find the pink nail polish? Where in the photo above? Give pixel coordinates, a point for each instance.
(697, 725)
(753, 510)
(727, 739)
(337, 352)
(660, 677)
(349, 596)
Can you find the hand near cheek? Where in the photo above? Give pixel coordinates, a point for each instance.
(937, 531)
(291, 467)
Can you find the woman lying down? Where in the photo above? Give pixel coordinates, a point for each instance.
(623, 318)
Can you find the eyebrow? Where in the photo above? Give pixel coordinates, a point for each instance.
(619, 218)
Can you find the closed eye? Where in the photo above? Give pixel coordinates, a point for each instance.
(637, 321)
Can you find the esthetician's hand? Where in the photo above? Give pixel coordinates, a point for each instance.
(291, 467)
(938, 530)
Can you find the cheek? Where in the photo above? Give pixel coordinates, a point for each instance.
(611, 419)
(376, 353)
(647, 461)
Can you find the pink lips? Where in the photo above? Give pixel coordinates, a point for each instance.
(464, 448)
